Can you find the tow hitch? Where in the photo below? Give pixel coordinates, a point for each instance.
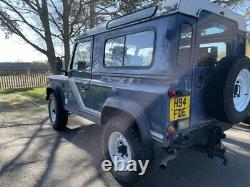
(214, 147)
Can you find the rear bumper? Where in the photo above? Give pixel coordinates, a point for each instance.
(192, 136)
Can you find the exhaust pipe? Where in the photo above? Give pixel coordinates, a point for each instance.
(170, 156)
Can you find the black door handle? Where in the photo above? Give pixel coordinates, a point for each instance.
(84, 87)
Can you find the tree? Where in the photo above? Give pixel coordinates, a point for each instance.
(228, 2)
(47, 24)
(123, 7)
(43, 23)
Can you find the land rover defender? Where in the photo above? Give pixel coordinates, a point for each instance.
(173, 75)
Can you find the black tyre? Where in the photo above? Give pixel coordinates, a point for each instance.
(228, 93)
(129, 147)
(58, 116)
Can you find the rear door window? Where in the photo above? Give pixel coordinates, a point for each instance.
(216, 41)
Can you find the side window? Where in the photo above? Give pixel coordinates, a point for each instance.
(82, 57)
(114, 51)
(216, 41)
(139, 49)
(185, 45)
(132, 50)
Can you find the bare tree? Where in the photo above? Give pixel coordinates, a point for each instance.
(228, 2)
(44, 23)
(41, 23)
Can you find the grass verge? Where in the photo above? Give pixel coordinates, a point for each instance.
(30, 93)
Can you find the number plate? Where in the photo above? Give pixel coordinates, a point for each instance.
(179, 108)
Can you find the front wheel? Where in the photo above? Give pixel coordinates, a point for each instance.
(123, 147)
(57, 114)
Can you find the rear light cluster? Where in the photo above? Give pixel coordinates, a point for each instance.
(177, 126)
(171, 130)
(171, 92)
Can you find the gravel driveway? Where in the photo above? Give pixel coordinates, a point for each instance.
(32, 154)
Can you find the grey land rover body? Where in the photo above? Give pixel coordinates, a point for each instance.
(143, 63)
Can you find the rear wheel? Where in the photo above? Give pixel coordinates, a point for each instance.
(57, 114)
(122, 141)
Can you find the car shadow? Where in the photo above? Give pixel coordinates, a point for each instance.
(190, 168)
(88, 138)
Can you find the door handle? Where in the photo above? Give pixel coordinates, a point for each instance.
(85, 87)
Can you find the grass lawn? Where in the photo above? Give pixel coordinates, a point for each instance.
(30, 93)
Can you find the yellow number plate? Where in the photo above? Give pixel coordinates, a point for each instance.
(179, 108)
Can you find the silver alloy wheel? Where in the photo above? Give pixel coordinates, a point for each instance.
(241, 94)
(52, 110)
(119, 149)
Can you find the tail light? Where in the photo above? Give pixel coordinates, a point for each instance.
(171, 92)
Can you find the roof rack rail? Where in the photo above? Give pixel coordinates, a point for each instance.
(133, 17)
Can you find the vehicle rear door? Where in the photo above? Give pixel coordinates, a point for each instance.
(214, 41)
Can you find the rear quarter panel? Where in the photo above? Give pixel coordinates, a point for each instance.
(146, 86)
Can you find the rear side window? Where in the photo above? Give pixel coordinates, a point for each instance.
(139, 49)
(134, 50)
(114, 51)
(185, 45)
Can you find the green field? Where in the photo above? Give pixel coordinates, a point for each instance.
(30, 93)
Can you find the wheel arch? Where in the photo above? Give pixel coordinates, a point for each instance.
(119, 106)
(48, 92)
(57, 90)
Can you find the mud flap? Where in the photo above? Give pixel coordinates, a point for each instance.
(214, 146)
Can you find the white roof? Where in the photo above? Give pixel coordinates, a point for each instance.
(194, 7)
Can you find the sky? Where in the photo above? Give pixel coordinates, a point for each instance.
(15, 50)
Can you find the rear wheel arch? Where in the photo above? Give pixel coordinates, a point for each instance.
(109, 112)
(48, 92)
(135, 114)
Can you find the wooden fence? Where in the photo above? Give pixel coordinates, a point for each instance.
(22, 75)
(23, 81)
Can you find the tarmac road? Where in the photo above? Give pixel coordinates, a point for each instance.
(32, 154)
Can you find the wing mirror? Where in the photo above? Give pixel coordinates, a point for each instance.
(60, 65)
(81, 65)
